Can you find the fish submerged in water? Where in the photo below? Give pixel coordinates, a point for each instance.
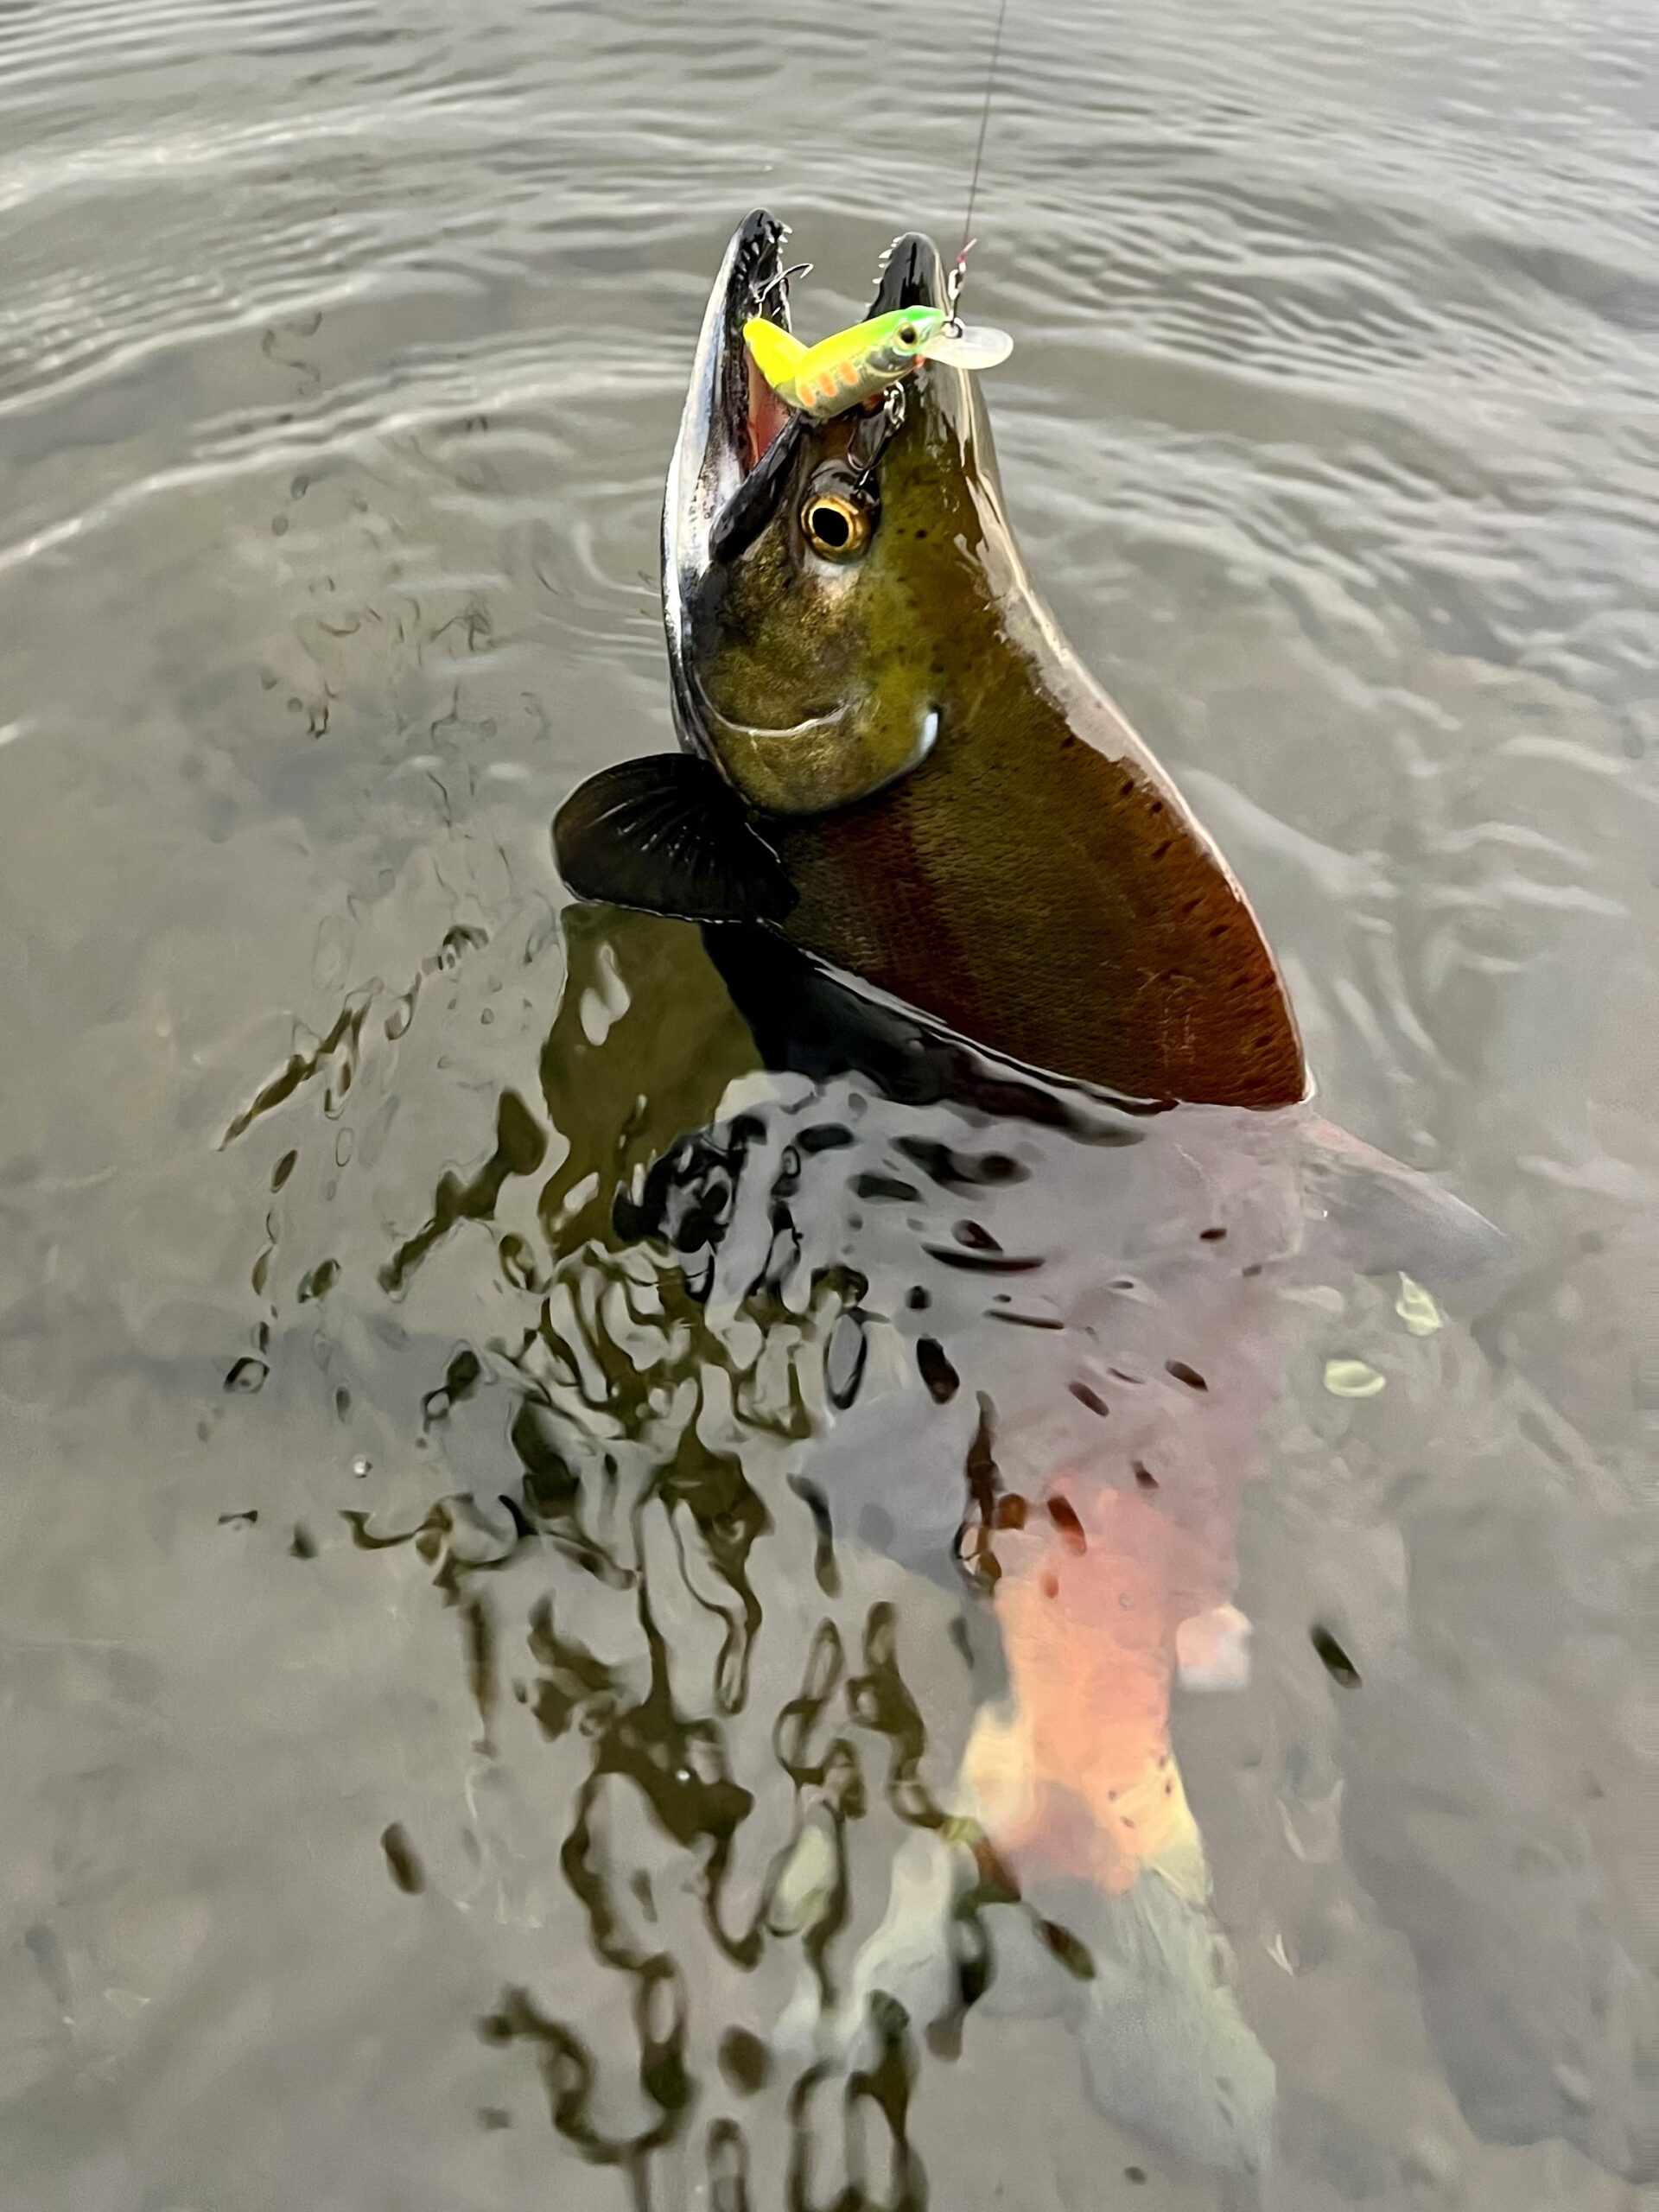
(897, 775)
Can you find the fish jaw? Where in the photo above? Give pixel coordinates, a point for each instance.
(730, 419)
(798, 676)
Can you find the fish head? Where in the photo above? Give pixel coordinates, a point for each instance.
(814, 571)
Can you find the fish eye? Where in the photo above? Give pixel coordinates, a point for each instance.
(907, 333)
(835, 526)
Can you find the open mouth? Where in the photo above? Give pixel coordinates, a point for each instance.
(736, 437)
(749, 416)
(739, 416)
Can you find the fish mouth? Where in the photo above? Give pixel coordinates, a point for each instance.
(733, 421)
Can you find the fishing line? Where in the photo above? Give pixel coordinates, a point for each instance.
(953, 290)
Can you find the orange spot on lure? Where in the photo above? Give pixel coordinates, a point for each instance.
(857, 364)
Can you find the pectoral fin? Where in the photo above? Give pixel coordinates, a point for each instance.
(668, 836)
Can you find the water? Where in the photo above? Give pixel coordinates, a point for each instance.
(340, 350)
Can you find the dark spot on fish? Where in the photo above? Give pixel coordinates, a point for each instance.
(1211, 1236)
(980, 1263)
(247, 1376)
(1092, 1399)
(1123, 1374)
(883, 1186)
(976, 1239)
(1123, 1282)
(245, 1519)
(1340, 1667)
(304, 1545)
(1161, 848)
(825, 1136)
(1144, 1476)
(954, 1170)
(491, 2117)
(1064, 1515)
(282, 1170)
(1255, 1269)
(1051, 1585)
(402, 1864)
(1136, 2174)
(1010, 1511)
(935, 1368)
(1027, 1320)
(1156, 807)
(844, 1357)
(919, 1299)
(745, 2062)
(1183, 1373)
(921, 533)
(342, 1403)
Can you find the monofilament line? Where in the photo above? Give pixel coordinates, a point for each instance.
(984, 123)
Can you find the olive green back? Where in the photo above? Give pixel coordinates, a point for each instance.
(1037, 883)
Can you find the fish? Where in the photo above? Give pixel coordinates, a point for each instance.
(843, 372)
(895, 760)
(922, 841)
(1070, 1436)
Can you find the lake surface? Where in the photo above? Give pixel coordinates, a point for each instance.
(474, 1660)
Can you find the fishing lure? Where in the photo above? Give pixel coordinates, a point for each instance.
(858, 363)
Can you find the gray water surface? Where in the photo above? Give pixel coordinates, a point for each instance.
(341, 347)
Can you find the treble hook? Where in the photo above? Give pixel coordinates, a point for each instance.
(863, 451)
(779, 284)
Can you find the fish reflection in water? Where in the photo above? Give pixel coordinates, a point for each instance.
(789, 1352)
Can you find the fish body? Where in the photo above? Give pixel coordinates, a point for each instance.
(898, 781)
(1084, 1461)
(936, 796)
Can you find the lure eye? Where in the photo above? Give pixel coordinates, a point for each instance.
(836, 527)
(907, 333)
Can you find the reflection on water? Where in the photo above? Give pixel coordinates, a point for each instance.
(843, 1490)
(584, 1622)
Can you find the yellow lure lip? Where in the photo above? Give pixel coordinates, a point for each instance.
(842, 371)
